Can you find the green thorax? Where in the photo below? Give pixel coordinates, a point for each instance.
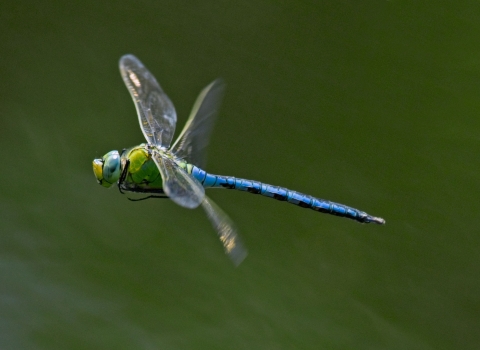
(142, 170)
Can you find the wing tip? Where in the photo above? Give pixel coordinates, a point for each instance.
(127, 60)
(237, 255)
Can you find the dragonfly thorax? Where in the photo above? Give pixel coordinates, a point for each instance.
(107, 169)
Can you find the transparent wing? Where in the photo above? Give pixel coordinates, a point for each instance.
(192, 143)
(156, 112)
(226, 231)
(182, 188)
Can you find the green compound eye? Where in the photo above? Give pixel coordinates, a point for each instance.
(108, 169)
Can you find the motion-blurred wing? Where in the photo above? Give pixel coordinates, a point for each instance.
(226, 231)
(156, 112)
(182, 188)
(192, 143)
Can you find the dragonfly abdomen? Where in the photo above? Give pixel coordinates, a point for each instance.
(282, 194)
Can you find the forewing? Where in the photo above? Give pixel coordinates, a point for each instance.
(156, 112)
(182, 188)
(226, 231)
(192, 143)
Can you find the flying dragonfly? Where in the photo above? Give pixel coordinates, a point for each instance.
(157, 170)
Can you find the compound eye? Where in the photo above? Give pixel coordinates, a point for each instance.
(111, 167)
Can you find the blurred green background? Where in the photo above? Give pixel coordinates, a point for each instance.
(371, 104)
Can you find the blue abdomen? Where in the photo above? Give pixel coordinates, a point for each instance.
(282, 194)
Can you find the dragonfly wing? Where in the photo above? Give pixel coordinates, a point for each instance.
(226, 231)
(193, 140)
(156, 112)
(182, 188)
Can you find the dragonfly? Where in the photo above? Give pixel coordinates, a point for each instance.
(157, 169)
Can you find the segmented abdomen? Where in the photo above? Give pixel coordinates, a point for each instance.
(282, 194)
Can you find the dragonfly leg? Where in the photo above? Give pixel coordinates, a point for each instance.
(149, 197)
(123, 176)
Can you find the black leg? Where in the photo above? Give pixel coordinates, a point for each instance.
(123, 176)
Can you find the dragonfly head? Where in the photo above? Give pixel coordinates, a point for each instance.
(107, 169)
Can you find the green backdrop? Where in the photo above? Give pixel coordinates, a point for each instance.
(372, 104)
